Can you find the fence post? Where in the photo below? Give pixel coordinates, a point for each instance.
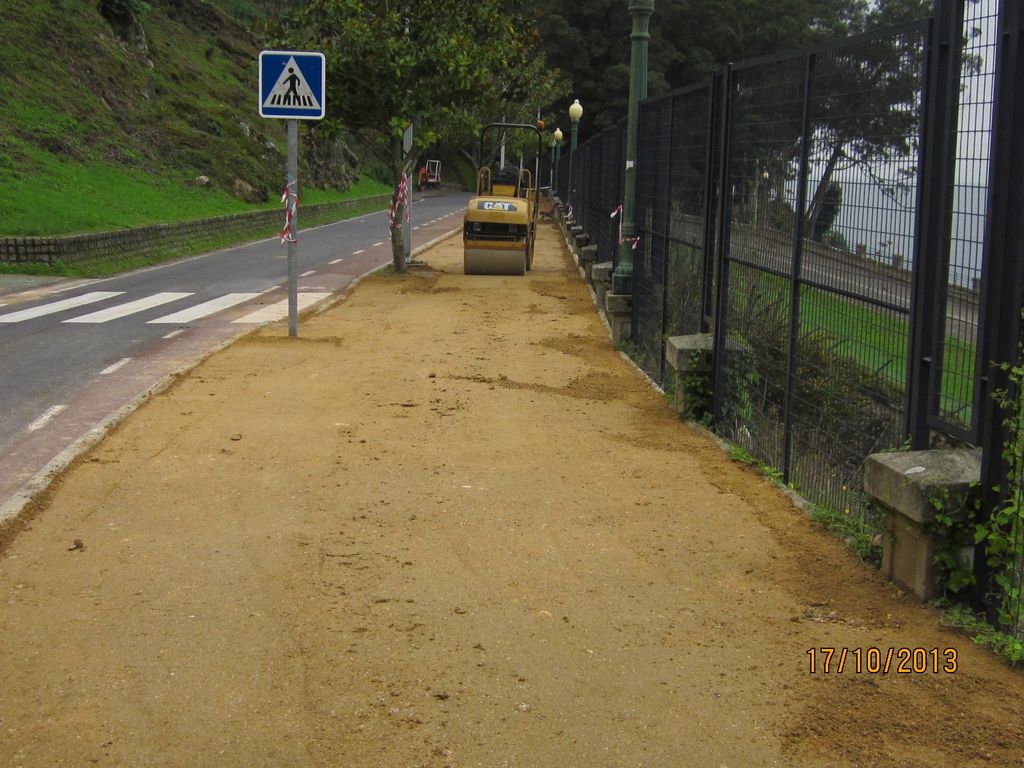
(707, 279)
(722, 243)
(935, 203)
(666, 239)
(1003, 272)
(795, 268)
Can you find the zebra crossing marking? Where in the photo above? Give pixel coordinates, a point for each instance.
(279, 310)
(123, 310)
(205, 309)
(58, 306)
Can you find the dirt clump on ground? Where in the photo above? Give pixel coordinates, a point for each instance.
(451, 526)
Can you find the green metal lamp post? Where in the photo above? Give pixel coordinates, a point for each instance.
(551, 172)
(556, 156)
(575, 113)
(641, 11)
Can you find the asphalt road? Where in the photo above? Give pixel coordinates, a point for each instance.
(74, 352)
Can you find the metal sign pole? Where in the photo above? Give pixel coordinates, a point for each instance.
(292, 87)
(293, 246)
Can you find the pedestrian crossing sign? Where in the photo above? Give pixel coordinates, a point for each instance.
(292, 85)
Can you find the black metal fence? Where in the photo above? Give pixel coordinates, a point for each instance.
(813, 335)
(1002, 429)
(597, 171)
(832, 216)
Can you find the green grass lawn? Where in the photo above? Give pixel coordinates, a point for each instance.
(874, 338)
(61, 197)
(880, 341)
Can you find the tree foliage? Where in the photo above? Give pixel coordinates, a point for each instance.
(443, 65)
(589, 41)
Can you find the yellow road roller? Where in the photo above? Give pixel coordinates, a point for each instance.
(500, 227)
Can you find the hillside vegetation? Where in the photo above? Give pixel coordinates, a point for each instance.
(115, 110)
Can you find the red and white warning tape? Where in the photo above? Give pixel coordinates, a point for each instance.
(290, 198)
(634, 240)
(402, 200)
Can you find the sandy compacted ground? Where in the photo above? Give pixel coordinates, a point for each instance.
(451, 526)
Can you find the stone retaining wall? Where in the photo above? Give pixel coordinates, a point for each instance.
(158, 240)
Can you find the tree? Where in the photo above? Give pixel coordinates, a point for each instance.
(866, 104)
(833, 201)
(589, 41)
(441, 63)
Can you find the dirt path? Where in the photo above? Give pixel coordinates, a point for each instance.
(450, 526)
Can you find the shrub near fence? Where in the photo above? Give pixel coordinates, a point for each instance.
(164, 240)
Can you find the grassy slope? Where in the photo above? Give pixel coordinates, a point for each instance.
(95, 138)
(65, 197)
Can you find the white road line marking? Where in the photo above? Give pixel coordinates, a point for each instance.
(58, 306)
(334, 262)
(123, 310)
(378, 244)
(45, 418)
(307, 274)
(205, 309)
(361, 250)
(279, 310)
(415, 228)
(172, 334)
(116, 366)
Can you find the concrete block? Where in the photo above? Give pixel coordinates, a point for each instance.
(582, 239)
(908, 557)
(602, 271)
(904, 484)
(601, 279)
(907, 481)
(618, 302)
(622, 329)
(618, 309)
(679, 352)
(588, 255)
(690, 354)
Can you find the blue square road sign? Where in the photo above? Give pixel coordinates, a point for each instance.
(292, 85)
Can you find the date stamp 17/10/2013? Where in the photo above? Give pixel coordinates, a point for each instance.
(882, 661)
